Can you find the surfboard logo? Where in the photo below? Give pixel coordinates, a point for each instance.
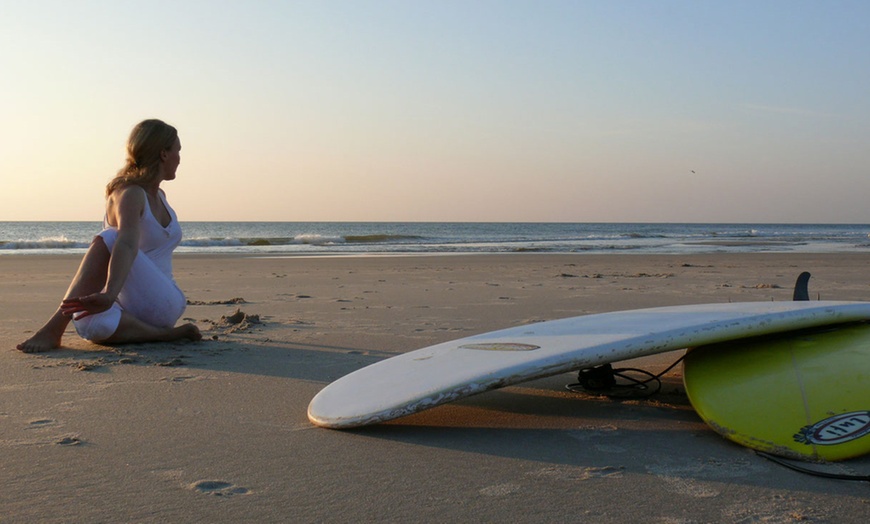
(838, 429)
(500, 346)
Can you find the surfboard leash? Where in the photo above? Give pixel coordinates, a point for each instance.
(808, 471)
(602, 380)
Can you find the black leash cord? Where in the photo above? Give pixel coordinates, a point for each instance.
(605, 377)
(808, 471)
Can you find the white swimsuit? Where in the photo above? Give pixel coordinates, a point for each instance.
(149, 293)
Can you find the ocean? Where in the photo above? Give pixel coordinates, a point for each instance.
(356, 238)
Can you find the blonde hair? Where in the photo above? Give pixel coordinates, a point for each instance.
(147, 140)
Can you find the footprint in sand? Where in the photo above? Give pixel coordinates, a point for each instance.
(181, 378)
(501, 490)
(685, 480)
(69, 441)
(594, 433)
(41, 423)
(578, 472)
(774, 509)
(218, 488)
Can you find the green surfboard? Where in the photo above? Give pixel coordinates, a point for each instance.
(803, 395)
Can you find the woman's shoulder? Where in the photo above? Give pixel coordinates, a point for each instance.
(130, 189)
(128, 196)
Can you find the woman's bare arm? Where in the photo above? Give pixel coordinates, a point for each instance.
(124, 210)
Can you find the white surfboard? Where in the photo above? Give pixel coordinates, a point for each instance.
(431, 376)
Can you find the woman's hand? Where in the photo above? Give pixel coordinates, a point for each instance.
(87, 305)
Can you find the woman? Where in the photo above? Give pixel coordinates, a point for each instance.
(124, 290)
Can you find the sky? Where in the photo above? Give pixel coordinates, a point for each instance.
(445, 110)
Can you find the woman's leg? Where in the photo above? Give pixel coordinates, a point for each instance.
(90, 278)
(131, 329)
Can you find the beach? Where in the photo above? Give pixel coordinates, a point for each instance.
(216, 430)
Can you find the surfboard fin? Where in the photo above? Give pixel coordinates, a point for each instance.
(801, 287)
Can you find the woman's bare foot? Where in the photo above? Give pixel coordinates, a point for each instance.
(188, 331)
(48, 337)
(42, 341)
